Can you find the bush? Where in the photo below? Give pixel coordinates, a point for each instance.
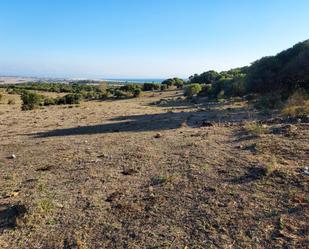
(208, 77)
(150, 86)
(297, 105)
(69, 99)
(235, 87)
(206, 90)
(192, 89)
(49, 101)
(255, 128)
(163, 87)
(269, 101)
(30, 100)
(119, 94)
(179, 83)
(283, 72)
(130, 87)
(137, 92)
(133, 89)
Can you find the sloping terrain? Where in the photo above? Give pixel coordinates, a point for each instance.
(152, 172)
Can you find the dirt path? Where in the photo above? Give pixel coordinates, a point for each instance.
(151, 172)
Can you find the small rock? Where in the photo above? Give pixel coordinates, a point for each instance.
(12, 194)
(306, 170)
(114, 196)
(158, 135)
(59, 205)
(13, 156)
(128, 172)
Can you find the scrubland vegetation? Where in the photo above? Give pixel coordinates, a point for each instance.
(270, 81)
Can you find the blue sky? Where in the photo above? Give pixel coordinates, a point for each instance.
(144, 38)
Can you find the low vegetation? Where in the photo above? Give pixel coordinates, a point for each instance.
(192, 90)
(273, 82)
(255, 128)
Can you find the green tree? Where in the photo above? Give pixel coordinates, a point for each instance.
(192, 89)
(179, 83)
(30, 100)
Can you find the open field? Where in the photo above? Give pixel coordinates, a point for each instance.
(151, 172)
(15, 80)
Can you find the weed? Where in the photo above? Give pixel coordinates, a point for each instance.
(256, 128)
(45, 205)
(271, 166)
(297, 105)
(51, 222)
(281, 223)
(205, 167)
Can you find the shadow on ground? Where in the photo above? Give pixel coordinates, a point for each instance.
(134, 123)
(252, 174)
(155, 122)
(9, 214)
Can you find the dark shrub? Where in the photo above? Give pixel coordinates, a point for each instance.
(163, 87)
(120, 94)
(284, 72)
(30, 100)
(49, 101)
(269, 101)
(72, 98)
(151, 86)
(206, 90)
(179, 83)
(208, 77)
(137, 92)
(192, 89)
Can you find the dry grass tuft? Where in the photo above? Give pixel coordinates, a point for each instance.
(297, 105)
(256, 128)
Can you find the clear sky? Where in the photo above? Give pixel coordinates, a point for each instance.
(144, 38)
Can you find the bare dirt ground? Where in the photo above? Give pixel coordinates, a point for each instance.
(15, 80)
(145, 173)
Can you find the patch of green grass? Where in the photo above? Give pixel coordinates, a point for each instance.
(256, 128)
(45, 205)
(271, 166)
(281, 223)
(205, 167)
(51, 222)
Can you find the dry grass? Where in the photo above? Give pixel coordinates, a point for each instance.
(95, 176)
(297, 105)
(255, 128)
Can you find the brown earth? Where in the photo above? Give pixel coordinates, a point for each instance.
(151, 173)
